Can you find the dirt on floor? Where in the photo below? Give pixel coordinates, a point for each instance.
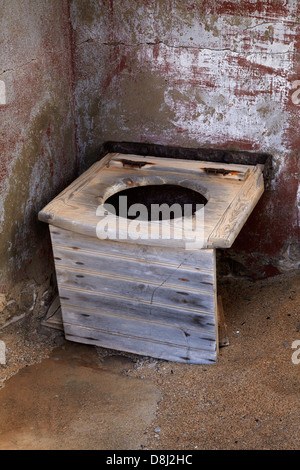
(249, 399)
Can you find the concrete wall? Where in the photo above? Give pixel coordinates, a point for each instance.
(203, 73)
(37, 144)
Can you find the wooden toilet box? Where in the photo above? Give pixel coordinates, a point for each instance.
(151, 296)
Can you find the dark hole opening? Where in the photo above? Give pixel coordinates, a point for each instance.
(152, 197)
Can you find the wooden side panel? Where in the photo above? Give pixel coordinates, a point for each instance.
(146, 300)
(200, 260)
(167, 351)
(155, 273)
(238, 211)
(139, 328)
(88, 301)
(137, 290)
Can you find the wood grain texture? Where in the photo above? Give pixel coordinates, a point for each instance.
(238, 211)
(160, 350)
(220, 170)
(134, 289)
(157, 332)
(155, 301)
(231, 190)
(89, 302)
(158, 256)
(154, 273)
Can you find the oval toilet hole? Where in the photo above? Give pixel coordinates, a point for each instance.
(156, 202)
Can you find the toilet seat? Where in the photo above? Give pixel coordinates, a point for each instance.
(232, 192)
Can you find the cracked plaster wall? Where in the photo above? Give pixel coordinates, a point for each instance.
(37, 145)
(214, 74)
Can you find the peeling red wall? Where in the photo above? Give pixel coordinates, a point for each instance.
(199, 74)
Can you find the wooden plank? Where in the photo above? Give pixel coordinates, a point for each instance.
(199, 260)
(150, 233)
(136, 345)
(219, 170)
(141, 271)
(140, 328)
(238, 211)
(181, 316)
(137, 290)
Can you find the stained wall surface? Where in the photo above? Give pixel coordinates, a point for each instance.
(37, 143)
(216, 74)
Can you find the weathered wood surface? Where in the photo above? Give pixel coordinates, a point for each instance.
(133, 289)
(138, 345)
(220, 170)
(157, 332)
(54, 320)
(232, 192)
(155, 273)
(150, 296)
(88, 303)
(130, 307)
(238, 211)
(181, 268)
(153, 300)
(197, 260)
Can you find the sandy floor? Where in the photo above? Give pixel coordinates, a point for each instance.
(248, 400)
